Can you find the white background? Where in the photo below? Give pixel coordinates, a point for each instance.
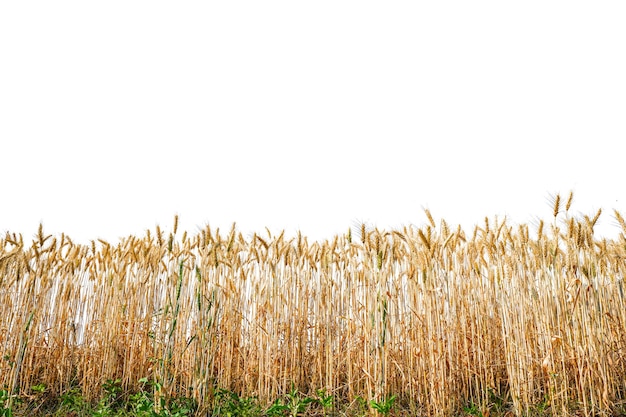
(310, 116)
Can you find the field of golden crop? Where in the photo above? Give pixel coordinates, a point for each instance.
(438, 317)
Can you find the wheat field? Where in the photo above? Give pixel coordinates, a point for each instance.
(435, 315)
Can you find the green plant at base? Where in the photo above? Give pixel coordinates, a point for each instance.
(296, 404)
(38, 397)
(229, 404)
(384, 406)
(495, 406)
(39, 388)
(497, 403)
(111, 400)
(473, 410)
(325, 400)
(142, 403)
(6, 409)
(181, 407)
(277, 409)
(362, 404)
(73, 401)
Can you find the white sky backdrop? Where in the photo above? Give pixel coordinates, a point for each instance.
(312, 115)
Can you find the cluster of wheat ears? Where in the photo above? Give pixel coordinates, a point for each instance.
(436, 316)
